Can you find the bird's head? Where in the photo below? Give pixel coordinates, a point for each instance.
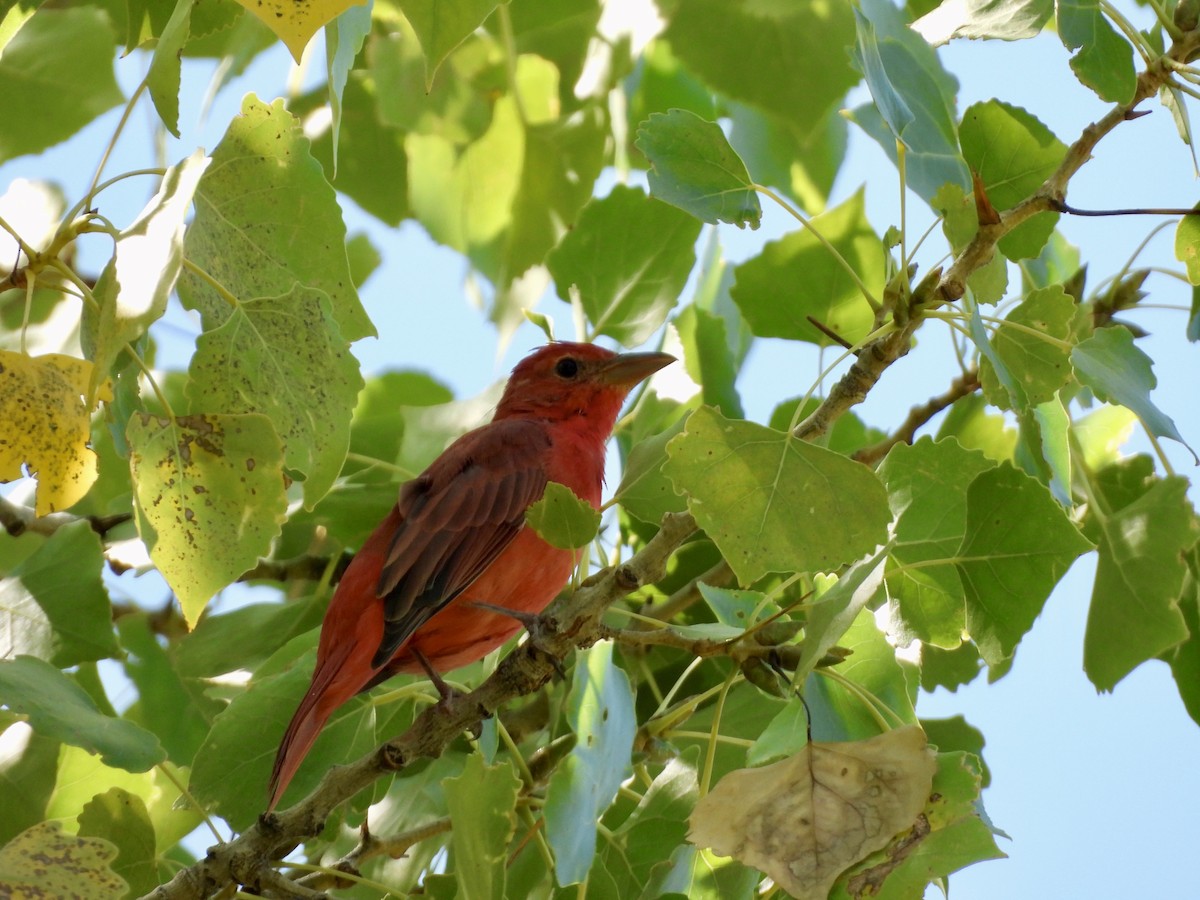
(564, 380)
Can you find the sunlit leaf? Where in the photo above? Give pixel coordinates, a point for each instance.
(806, 819)
(773, 503)
(120, 818)
(210, 498)
(563, 520)
(1105, 58)
(296, 23)
(798, 276)
(47, 426)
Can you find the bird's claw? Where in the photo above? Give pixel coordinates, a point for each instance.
(534, 631)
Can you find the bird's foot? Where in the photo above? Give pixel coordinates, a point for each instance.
(535, 632)
(447, 693)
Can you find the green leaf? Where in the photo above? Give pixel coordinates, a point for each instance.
(42, 861)
(1134, 613)
(949, 668)
(242, 638)
(1039, 366)
(482, 803)
(177, 715)
(786, 58)
(957, 734)
(121, 819)
(370, 165)
(58, 708)
(1184, 658)
(927, 488)
(914, 98)
(145, 264)
(970, 423)
(645, 491)
(1118, 372)
(232, 767)
(267, 219)
(563, 520)
(659, 822)
(283, 357)
(54, 604)
(1104, 62)
(772, 503)
(1018, 544)
(1007, 20)
(802, 165)
(960, 222)
(166, 66)
(1187, 251)
(56, 75)
(440, 27)
(661, 83)
(601, 714)
(209, 498)
(838, 711)
(693, 167)
(797, 277)
(708, 358)
(28, 771)
(628, 257)
(344, 38)
(1014, 154)
(784, 735)
(832, 614)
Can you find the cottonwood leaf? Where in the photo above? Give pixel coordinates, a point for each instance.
(1105, 59)
(773, 503)
(57, 707)
(786, 58)
(120, 817)
(266, 219)
(1013, 153)
(209, 497)
(1134, 614)
(1007, 20)
(1017, 544)
(165, 73)
(645, 491)
(284, 357)
(927, 488)
(42, 861)
(441, 27)
(482, 802)
(296, 23)
(56, 75)
(1187, 251)
(1119, 372)
(145, 264)
(1039, 366)
(601, 714)
(628, 257)
(693, 167)
(806, 819)
(817, 284)
(53, 604)
(562, 519)
(47, 426)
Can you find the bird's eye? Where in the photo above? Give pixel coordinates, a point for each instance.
(567, 367)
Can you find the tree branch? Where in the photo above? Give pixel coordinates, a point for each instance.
(965, 384)
(571, 621)
(17, 520)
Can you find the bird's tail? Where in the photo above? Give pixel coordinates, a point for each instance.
(330, 688)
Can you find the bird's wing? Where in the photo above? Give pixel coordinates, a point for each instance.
(456, 518)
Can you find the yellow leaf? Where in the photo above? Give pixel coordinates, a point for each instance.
(47, 425)
(43, 862)
(296, 21)
(806, 819)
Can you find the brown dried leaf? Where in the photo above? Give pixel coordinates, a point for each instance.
(806, 819)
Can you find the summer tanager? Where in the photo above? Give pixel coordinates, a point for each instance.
(457, 537)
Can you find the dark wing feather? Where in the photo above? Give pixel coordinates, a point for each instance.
(456, 518)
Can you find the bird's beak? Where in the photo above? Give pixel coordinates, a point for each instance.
(627, 369)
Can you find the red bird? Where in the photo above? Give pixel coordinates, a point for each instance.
(456, 537)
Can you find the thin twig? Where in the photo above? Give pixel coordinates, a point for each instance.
(965, 384)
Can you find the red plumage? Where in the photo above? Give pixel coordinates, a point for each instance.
(457, 535)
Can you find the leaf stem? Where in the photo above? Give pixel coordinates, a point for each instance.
(221, 290)
(714, 733)
(841, 260)
(86, 202)
(183, 792)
